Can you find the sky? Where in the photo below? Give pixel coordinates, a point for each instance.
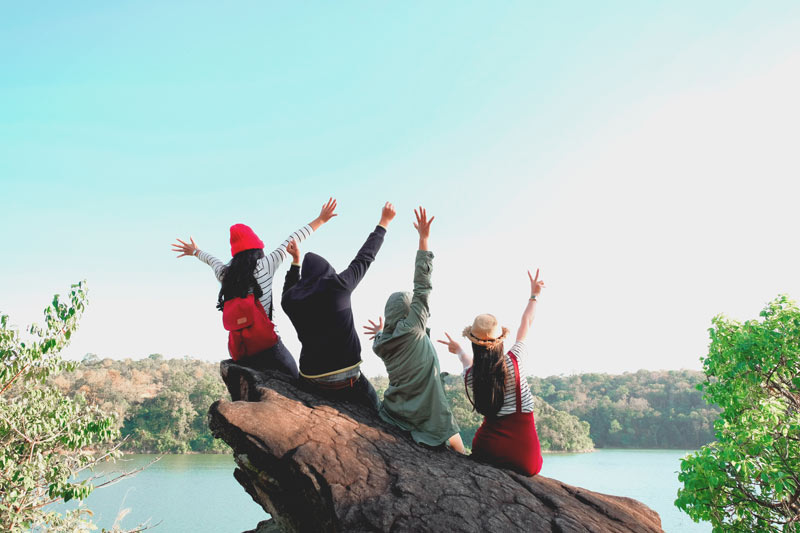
(643, 155)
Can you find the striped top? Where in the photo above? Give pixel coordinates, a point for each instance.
(265, 267)
(510, 401)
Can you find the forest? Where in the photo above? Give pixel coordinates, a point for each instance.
(161, 404)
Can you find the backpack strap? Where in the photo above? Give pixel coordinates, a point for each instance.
(516, 379)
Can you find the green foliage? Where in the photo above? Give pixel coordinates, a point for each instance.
(161, 404)
(46, 438)
(748, 479)
(644, 409)
(559, 430)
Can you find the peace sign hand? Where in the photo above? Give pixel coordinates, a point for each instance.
(186, 248)
(452, 346)
(373, 329)
(536, 284)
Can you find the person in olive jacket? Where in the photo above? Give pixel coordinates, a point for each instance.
(415, 399)
(317, 301)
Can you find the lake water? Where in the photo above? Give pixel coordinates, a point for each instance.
(197, 493)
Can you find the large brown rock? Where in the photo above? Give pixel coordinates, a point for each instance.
(317, 465)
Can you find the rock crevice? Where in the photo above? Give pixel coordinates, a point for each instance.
(317, 465)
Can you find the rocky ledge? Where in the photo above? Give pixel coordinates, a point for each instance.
(316, 465)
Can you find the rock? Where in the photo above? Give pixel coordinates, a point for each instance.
(317, 465)
(265, 526)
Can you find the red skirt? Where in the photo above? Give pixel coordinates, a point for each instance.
(509, 441)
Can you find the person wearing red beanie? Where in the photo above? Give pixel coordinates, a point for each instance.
(243, 238)
(250, 270)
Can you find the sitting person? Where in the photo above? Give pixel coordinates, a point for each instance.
(415, 399)
(317, 301)
(507, 437)
(250, 271)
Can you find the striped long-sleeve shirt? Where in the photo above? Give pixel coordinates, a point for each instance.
(265, 267)
(510, 400)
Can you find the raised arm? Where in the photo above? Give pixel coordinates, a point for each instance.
(191, 248)
(419, 312)
(353, 274)
(327, 212)
(530, 309)
(293, 274)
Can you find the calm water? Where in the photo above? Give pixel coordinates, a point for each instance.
(197, 493)
(650, 476)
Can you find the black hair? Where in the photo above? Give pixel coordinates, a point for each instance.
(489, 378)
(238, 277)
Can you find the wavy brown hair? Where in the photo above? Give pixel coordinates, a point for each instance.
(488, 378)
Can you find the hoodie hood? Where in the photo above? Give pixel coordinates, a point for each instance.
(314, 267)
(397, 307)
(314, 276)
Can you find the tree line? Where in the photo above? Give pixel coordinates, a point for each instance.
(161, 405)
(644, 409)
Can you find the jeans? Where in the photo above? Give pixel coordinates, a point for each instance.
(275, 358)
(362, 392)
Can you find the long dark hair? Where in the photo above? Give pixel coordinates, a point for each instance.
(238, 277)
(489, 378)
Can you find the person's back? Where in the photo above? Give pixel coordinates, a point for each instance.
(415, 398)
(498, 390)
(323, 318)
(317, 300)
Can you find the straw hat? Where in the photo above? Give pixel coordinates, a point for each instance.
(486, 331)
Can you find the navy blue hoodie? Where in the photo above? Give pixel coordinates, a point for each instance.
(317, 301)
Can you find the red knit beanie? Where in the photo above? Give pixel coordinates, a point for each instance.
(243, 238)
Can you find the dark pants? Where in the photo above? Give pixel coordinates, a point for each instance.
(361, 392)
(275, 358)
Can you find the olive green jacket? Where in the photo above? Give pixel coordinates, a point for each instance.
(415, 399)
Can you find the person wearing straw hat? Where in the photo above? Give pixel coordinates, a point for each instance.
(495, 379)
(415, 399)
(250, 271)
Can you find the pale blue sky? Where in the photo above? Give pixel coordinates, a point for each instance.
(643, 155)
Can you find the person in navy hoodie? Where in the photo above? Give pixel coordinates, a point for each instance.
(317, 301)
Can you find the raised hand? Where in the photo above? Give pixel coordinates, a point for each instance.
(373, 329)
(422, 225)
(327, 211)
(293, 250)
(189, 248)
(387, 214)
(536, 284)
(452, 346)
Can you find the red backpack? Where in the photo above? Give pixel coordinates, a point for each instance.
(250, 329)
